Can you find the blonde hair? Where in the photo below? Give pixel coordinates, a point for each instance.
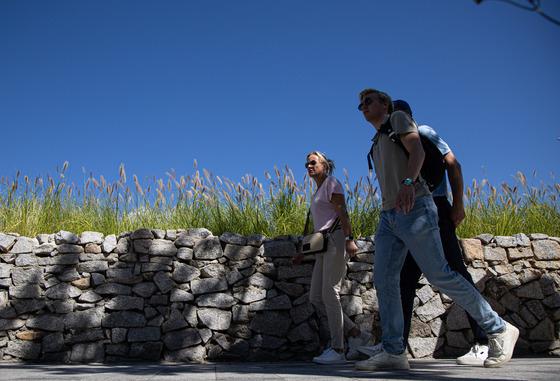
(329, 164)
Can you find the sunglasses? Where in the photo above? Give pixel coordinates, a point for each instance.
(365, 103)
(312, 163)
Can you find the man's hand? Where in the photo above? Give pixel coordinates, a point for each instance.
(351, 248)
(457, 214)
(405, 199)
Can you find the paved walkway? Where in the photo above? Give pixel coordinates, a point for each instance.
(439, 370)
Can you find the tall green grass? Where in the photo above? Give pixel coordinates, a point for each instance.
(275, 206)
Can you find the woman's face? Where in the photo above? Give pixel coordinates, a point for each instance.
(315, 167)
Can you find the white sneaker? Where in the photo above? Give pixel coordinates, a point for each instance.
(330, 356)
(501, 346)
(475, 356)
(354, 342)
(371, 350)
(384, 361)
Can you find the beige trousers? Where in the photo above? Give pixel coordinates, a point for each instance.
(329, 269)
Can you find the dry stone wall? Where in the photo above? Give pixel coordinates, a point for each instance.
(190, 296)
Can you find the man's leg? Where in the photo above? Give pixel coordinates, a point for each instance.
(454, 256)
(419, 230)
(410, 274)
(390, 253)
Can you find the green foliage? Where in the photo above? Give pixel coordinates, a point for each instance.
(277, 206)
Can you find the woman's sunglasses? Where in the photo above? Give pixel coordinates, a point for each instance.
(312, 163)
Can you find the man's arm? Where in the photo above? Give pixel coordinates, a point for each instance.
(413, 145)
(455, 176)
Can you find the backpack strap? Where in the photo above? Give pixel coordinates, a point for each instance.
(387, 129)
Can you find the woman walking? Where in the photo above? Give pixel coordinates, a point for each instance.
(328, 210)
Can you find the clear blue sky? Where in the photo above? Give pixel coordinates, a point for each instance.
(242, 86)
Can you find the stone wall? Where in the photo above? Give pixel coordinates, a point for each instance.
(191, 296)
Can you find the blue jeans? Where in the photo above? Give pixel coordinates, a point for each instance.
(418, 233)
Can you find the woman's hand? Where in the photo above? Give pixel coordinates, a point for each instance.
(297, 259)
(351, 248)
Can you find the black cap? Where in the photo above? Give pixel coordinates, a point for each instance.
(400, 105)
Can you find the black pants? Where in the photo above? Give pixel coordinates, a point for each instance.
(410, 273)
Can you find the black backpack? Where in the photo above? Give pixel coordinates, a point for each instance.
(433, 168)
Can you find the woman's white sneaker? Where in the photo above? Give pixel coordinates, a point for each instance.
(330, 356)
(474, 357)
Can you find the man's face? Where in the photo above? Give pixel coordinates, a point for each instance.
(372, 108)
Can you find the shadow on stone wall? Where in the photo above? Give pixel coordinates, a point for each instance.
(180, 296)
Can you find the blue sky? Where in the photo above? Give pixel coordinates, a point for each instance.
(241, 86)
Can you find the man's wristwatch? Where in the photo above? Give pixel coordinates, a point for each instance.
(408, 181)
(349, 237)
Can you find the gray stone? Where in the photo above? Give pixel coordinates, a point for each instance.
(185, 240)
(178, 295)
(510, 302)
(176, 321)
(122, 246)
(24, 245)
(145, 289)
(494, 254)
(87, 352)
(233, 276)
(142, 246)
(181, 339)
(5, 270)
(289, 272)
(63, 291)
(256, 240)
(185, 253)
(162, 247)
(250, 295)
(163, 282)
(219, 300)
(53, 342)
(552, 301)
(370, 301)
(6, 242)
(208, 248)
(516, 253)
(195, 354)
(190, 314)
(118, 335)
(44, 249)
(293, 290)
(301, 313)
(281, 302)
(46, 323)
(122, 302)
(124, 319)
(521, 239)
(485, 238)
(457, 318)
(457, 340)
(87, 319)
(351, 305)
(239, 253)
(208, 285)
(150, 351)
(158, 233)
(93, 266)
(155, 267)
(109, 243)
(23, 276)
(261, 281)
(66, 248)
(143, 334)
(278, 249)
(364, 277)
(23, 306)
(302, 332)
(537, 236)
(275, 323)
(505, 241)
(28, 291)
(510, 280)
(425, 293)
(113, 289)
(66, 237)
(213, 270)
(431, 310)
(61, 306)
(184, 273)
(233, 238)
(90, 297)
(358, 266)
(215, 319)
(267, 342)
(544, 331)
(142, 234)
(546, 250)
(27, 260)
(240, 313)
(531, 290)
(26, 350)
(11, 324)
